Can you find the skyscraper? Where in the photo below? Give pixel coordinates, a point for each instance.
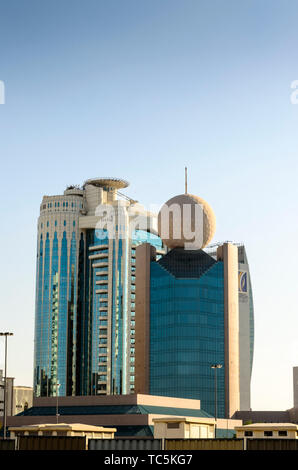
(246, 322)
(189, 314)
(85, 289)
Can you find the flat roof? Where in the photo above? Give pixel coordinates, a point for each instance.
(129, 399)
(63, 426)
(267, 425)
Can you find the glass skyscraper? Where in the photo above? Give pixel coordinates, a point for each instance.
(194, 313)
(85, 289)
(187, 327)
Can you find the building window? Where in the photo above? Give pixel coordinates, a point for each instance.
(173, 425)
(282, 433)
(248, 433)
(268, 433)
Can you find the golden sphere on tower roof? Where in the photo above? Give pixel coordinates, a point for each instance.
(186, 221)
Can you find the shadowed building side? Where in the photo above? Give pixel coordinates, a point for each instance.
(189, 311)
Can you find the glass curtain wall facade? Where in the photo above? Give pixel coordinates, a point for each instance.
(107, 312)
(187, 328)
(85, 294)
(56, 293)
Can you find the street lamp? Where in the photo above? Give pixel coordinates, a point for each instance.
(5, 367)
(57, 393)
(215, 367)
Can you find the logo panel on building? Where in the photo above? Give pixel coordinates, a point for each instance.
(242, 281)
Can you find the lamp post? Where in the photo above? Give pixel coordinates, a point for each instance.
(5, 381)
(215, 367)
(57, 394)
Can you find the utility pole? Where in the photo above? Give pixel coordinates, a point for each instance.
(5, 384)
(215, 367)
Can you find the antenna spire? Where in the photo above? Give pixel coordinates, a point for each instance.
(186, 180)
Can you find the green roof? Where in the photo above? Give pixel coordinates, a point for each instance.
(167, 410)
(114, 409)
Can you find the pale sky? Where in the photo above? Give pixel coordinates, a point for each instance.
(137, 90)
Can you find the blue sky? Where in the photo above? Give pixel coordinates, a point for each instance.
(137, 90)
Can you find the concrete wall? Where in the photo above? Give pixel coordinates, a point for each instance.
(144, 254)
(264, 416)
(259, 434)
(9, 395)
(228, 253)
(244, 341)
(129, 399)
(22, 398)
(183, 431)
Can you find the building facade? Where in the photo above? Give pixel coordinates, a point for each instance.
(188, 311)
(85, 289)
(246, 322)
(8, 395)
(18, 397)
(193, 312)
(132, 415)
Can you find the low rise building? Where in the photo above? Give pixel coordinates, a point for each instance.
(9, 395)
(267, 430)
(18, 397)
(63, 429)
(184, 428)
(22, 399)
(132, 415)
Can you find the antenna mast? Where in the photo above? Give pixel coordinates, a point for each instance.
(186, 180)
